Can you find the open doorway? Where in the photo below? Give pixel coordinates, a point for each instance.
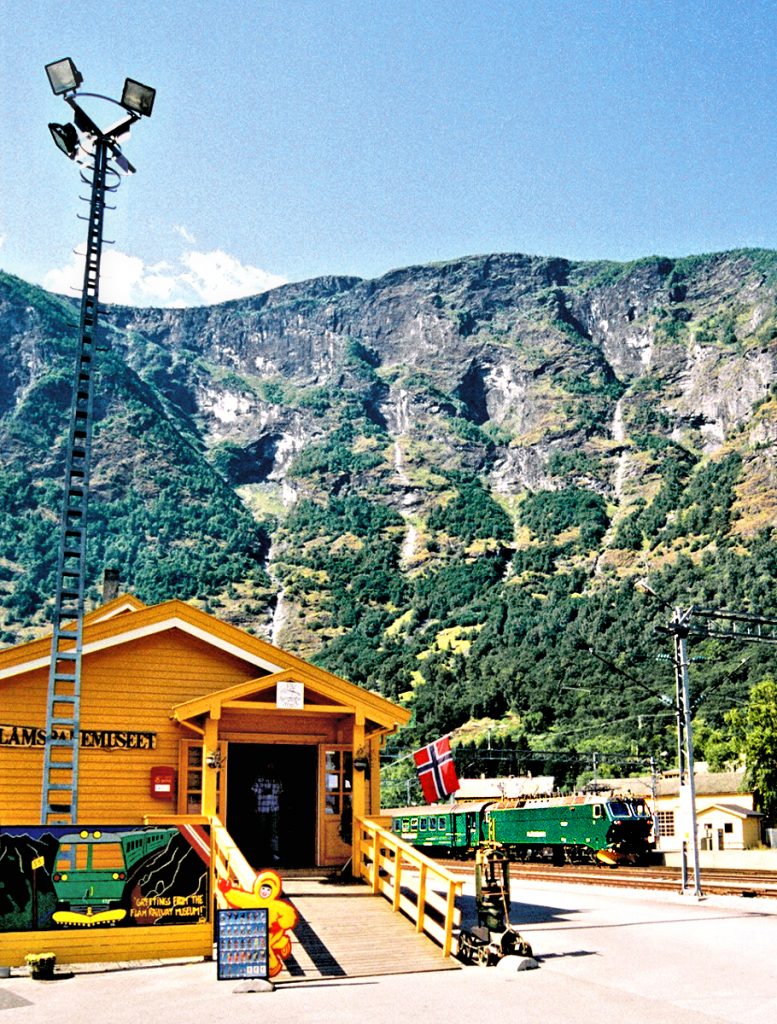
(271, 803)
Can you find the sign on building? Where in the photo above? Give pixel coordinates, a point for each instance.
(68, 876)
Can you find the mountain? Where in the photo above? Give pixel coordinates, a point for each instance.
(442, 483)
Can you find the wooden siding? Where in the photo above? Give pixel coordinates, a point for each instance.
(263, 727)
(109, 945)
(181, 675)
(129, 687)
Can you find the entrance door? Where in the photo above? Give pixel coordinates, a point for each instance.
(271, 803)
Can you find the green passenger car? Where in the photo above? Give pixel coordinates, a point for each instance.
(447, 828)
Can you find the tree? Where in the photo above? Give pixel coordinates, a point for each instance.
(720, 748)
(757, 725)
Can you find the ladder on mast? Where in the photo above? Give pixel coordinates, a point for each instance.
(59, 800)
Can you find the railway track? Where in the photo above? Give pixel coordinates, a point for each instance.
(714, 881)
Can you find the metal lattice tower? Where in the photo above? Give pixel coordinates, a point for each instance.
(59, 802)
(741, 626)
(84, 142)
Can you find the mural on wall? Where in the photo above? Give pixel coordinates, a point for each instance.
(72, 876)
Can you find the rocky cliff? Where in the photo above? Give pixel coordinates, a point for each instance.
(338, 444)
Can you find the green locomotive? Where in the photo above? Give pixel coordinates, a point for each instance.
(573, 829)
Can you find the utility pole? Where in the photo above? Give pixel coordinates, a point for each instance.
(740, 626)
(654, 794)
(679, 628)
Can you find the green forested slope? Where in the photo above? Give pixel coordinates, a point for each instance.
(442, 485)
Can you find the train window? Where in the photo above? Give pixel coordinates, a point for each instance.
(432, 824)
(405, 825)
(414, 823)
(65, 852)
(108, 856)
(618, 809)
(96, 856)
(396, 825)
(422, 823)
(441, 823)
(597, 810)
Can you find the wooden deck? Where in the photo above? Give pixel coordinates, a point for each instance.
(344, 931)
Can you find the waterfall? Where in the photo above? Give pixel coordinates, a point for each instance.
(618, 431)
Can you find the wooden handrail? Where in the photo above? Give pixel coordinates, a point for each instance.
(410, 880)
(227, 861)
(415, 884)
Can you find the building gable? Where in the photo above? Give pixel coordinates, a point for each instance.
(125, 622)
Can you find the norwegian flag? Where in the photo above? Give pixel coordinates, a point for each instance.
(436, 770)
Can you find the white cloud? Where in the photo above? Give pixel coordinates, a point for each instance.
(216, 276)
(199, 278)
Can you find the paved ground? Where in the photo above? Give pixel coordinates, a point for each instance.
(625, 958)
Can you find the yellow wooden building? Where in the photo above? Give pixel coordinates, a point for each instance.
(194, 731)
(182, 714)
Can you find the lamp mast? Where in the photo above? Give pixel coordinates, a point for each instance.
(84, 142)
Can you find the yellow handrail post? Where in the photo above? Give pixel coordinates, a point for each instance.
(419, 925)
(449, 922)
(377, 853)
(397, 877)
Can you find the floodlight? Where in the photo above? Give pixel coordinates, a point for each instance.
(66, 138)
(64, 76)
(137, 97)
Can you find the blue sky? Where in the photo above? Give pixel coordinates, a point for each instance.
(295, 139)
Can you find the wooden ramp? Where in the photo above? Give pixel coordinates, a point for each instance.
(345, 931)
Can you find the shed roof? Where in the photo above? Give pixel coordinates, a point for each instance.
(705, 783)
(496, 789)
(735, 809)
